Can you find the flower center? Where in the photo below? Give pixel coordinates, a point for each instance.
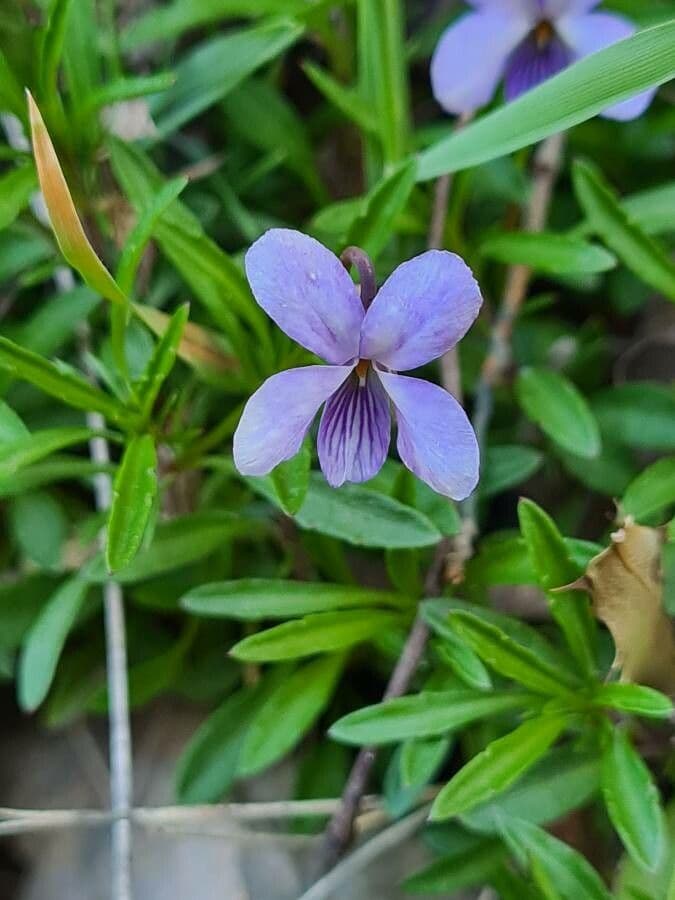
(362, 367)
(543, 34)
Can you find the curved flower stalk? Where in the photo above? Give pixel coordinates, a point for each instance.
(425, 306)
(522, 42)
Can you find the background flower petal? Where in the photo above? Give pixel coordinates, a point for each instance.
(276, 418)
(554, 9)
(435, 438)
(469, 59)
(355, 431)
(589, 33)
(307, 291)
(425, 306)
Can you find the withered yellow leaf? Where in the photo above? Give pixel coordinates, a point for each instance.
(626, 585)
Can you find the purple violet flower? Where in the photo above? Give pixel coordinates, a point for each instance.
(523, 42)
(425, 306)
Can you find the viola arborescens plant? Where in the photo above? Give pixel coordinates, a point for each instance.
(522, 42)
(422, 310)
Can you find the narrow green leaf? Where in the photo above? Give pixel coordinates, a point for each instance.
(16, 187)
(52, 43)
(291, 481)
(372, 229)
(358, 515)
(317, 633)
(506, 466)
(554, 254)
(421, 758)
(451, 873)
(510, 658)
(217, 66)
(57, 468)
(21, 452)
(345, 99)
(59, 383)
(494, 769)
(464, 662)
(162, 360)
(302, 697)
(45, 641)
(558, 863)
(39, 526)
(134, 492)
(635, 699)
(639, 414)
(122, 89)
(252, 599)
(632, 800)
(554, 568)
(652, 491)
(579, 92)
(12, 427)
(426, 714)
(640, 253)
(555, 404)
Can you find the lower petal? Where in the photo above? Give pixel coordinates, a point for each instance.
(587, 34)
(469, 59)
(530, 64)
(276, 418)
(435, 438)
(355, 431)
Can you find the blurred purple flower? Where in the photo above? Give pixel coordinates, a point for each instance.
(523, 42)
(425, 306)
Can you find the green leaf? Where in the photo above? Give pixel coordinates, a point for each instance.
(16, 187)
(426, 714)
(579, 92)
(372, 229)
(162, 360)
(506, 466)
(494, 769)
(57, 468)
(421, 758)
(302, 697)
(553, 254)
(291, 481)
(358, 515)
(252, 599)
(318, 633)
(451, 873)
(652, 491)
(11, 95)
(510, 658)
(25, 450)
(554, 568)
(635, 699)
(122, 89)
(134, 493)
(564, 780)
(45, 640)
(53, 38)
(345, 99)
(640, 414)
(208, 765)
(572, 875)
(640, 253)
(652, 209)
(40, 527)
(632, 800)
(69, 388)
(555, 404)
(179, 542)
(466, 664)
(12, 427)
(217, 66)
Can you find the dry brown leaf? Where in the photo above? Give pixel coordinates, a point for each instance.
(626, 585)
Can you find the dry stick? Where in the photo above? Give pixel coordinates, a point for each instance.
(115, 636)
(452, 557)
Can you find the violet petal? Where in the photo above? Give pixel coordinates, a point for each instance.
(355, 431)
(435, 438)
(530, 64)
(276, 418)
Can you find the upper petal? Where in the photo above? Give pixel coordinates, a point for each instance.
(307, 291)
(425, 306)
(530, 64)
(469, 59)
(554, 9)
(355, 431)
(276, 418)
(586, 34)
(435, 438)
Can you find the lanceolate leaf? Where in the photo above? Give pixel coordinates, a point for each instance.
(162, 360)
(133, 495)
(498, 766)
(652, 491)
(635, 699)
(576, 94)
(555, 254)
(632, 245)
(632, 800)
(22, 451)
